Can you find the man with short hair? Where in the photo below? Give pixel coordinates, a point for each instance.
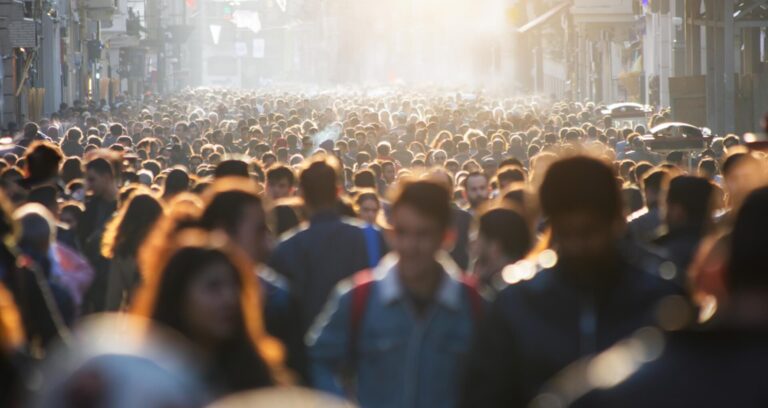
(101, 179)
(404, 328)
(593, 293)
(503, 238)
(280, 182)
(644, 224)
(476, 190)
(330, 249)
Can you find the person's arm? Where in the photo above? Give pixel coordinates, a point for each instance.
(491, 378)
(328, 343)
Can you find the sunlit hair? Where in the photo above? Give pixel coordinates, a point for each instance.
(11, 326)
(168, 274)
(124, 233)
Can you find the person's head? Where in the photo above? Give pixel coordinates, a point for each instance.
(234, 207)
(176, 182)
(204, 287)
(476, 188)
(707, 168)
(367, 206)
(581, 198)
(126, 232)
(231, 168)
(652, 185)
(742, 172)
(421, 218)
(388, 172)
(100, 178)
(116, 130)
(38, 228)
(319, 183)
(280, 182)
(503, 238)
(509, 175)
(71, 214)
(71, 169)
(365, 179)
(42, 161)
(688, 203)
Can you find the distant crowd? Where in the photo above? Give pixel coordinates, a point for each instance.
(408, 249)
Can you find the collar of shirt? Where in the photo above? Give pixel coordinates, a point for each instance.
(448, 294)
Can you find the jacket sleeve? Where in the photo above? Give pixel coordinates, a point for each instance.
(493, 378)
(328, 343)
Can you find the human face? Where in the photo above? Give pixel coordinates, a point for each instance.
(369, 209)
(477, 190)
(389, 174)
(279, 189)
(97, 183)
(416, 238)
(252, 234)
(583, 240)
(211, 309)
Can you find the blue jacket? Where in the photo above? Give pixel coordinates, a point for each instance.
(316, 258)
(536, 328)
(399, 361)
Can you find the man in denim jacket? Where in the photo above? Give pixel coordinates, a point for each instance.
(404, 339)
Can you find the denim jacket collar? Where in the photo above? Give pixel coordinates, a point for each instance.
(448, 294)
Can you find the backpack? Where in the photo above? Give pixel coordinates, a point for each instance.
(362, 284)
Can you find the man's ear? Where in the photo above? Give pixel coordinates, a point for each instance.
(449, 239)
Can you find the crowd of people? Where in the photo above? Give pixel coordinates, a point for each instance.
(400, 249)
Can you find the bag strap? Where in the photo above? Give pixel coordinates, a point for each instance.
(363, 282)
(476, 301)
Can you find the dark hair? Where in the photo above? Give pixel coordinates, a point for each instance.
(42, 160)
(126, 232)
(429, 198)
(693, 194)
(101, 166)
(71, 169)
(279, 173)
(746, 267)
(176, 182)
(365, 179)
(510, 174)
(249, 359)
(318, 183)
(507, 227)
(231, 167)
(581, 184)
(225, 202)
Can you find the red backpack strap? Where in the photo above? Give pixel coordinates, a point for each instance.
(362, 281)
(476, 301)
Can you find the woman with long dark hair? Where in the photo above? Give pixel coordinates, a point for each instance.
(122, 238)
(204, 288)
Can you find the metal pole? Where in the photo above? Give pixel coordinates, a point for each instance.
(729, 69)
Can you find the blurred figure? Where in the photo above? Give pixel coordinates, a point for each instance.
(687, 217)
(644, 224)
(233, 207)
(122, 238)
(693, 367)
(503, 238)
(411, 301)
(47, 308)
(330, 249)
(367, 207)
(205, 289)
(593, 296)
(102, 180)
